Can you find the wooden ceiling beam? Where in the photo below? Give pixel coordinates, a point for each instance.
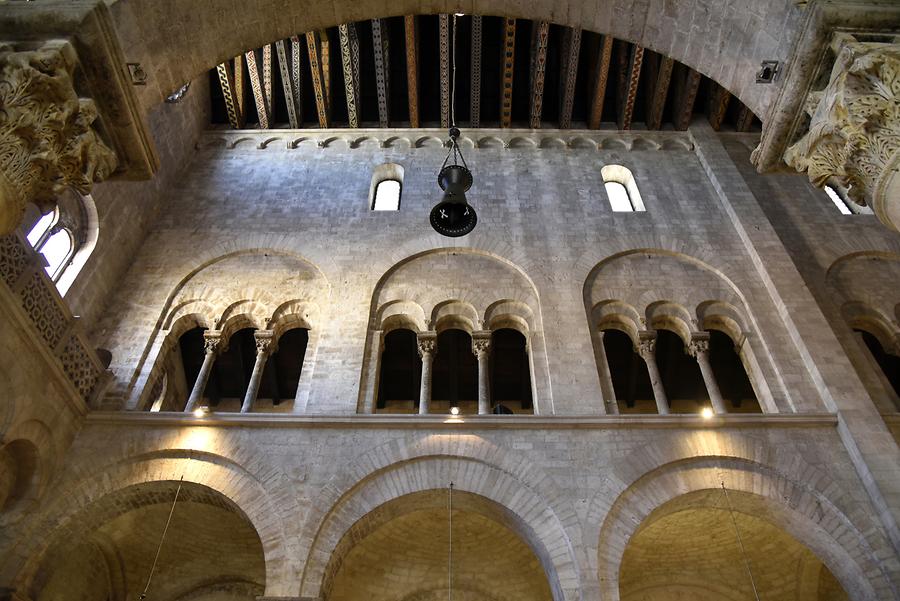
(601, 76)
(350, 63)
(226, 81)
(291, 95)
(660, 92)
(444, 60)
(540, 35)
(382, 70)
(262, 108)
(570, 51)
(240, 99)
(412, 69)
(507, 62)
(718, 106)
(267, 77)
(475, 98)
(632, 82)
(684, 104)
(317, 63)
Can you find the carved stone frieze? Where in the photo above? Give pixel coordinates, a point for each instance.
(47, 139)
(854, 133)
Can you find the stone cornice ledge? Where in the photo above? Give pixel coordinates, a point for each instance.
(466, 422)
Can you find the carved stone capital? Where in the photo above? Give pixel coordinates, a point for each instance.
(854, 132)
(47, 139)
(265, 342)
(427, 345)
(212, 342)
(698, 347)
(646, 344)
(481, 346)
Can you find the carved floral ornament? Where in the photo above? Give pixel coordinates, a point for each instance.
(47, 142)
(854, 133)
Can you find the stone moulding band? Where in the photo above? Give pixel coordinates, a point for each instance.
(486, 139)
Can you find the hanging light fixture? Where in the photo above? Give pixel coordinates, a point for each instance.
(453, 216)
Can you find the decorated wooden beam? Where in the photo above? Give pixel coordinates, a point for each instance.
(240, 99)
(745, 119)
(226, 81)
(601, 76)
(317, 64)
(571, 48)
(623, 50)
(506, 80)
(633, 80)
(540, 35)
(262, 108)
(350, 64)
(660, 92)
(718, 105)
(267, 77)
(296, 78)
(382, 70)
(444, 59)
(412, 69)
(684, 107)
(291, 96)
(475, 99)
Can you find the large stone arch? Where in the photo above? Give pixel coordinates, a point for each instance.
(691, 33)
(107, 493)
(431, 462)
(799, 506)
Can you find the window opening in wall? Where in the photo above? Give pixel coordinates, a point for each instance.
(889, 364)
(731, 375)
(186, 363)
(631, 382)
(510, 374)
(618, 197)
(42, 227)
(455, 374)
(57, 249)
(622, 190)
(680, 374)
(231, 372)
(281, 374)
(838, 201)
(387, 196)
(400, 374)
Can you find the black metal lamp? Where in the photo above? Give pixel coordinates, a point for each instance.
(453, 216)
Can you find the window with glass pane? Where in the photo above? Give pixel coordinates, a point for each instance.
(387, 196)
(618, 197)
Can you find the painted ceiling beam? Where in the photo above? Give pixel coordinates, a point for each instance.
(540, 35)
(291, 96)
(317, 64)
(240, 99)
(267, 77)
(262, 108)
(660, 92)
(570, 51)
(684, 107)
(444, 58)
(718, 106)
(296, 77)
(382, 71)
(601, 77)
(506, 81)
(475, 98)
(412, 69)
(633, 80)
(226, 81)
(350, 64)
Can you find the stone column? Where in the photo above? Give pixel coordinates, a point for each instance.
(427, 350)
(647, 350)
(699, 349)
(264, 346)
(211, 343)
(481, 346)
(611, 405)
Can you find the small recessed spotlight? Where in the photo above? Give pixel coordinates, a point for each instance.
(454, 410)
(459, 14)
(201, 411)
(706, 413)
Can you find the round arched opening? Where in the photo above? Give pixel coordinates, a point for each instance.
(18, 473)
(401, 551)
(211, 550)
(712, 545)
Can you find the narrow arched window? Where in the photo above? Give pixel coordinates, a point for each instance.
(281, 373)
(455, 373)
(57, 249)
(41, 229)
(510, 372)
(889, 363)
(680, 373)
(628, 371)
(731, 374)
(400, 373)
(622, 190)
(387, 196)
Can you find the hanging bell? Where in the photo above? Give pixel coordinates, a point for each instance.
(453, 217)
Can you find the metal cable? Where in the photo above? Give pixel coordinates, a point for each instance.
(450, 547)
(740, 542)
(161, 540)
(453, 81)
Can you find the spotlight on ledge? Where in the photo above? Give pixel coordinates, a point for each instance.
(454, 410)
(706, 413)
(201, 411)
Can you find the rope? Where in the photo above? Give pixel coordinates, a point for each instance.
(161, 540)
(740, 542)
(450, 549)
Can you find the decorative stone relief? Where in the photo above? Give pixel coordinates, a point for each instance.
(47, 140)
(854, 135)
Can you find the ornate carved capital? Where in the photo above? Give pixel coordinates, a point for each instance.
(854, 133)
(212, 343)
(265, 342)
(481, 346)
(427, 345)
(47, 139)
(698, 347)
